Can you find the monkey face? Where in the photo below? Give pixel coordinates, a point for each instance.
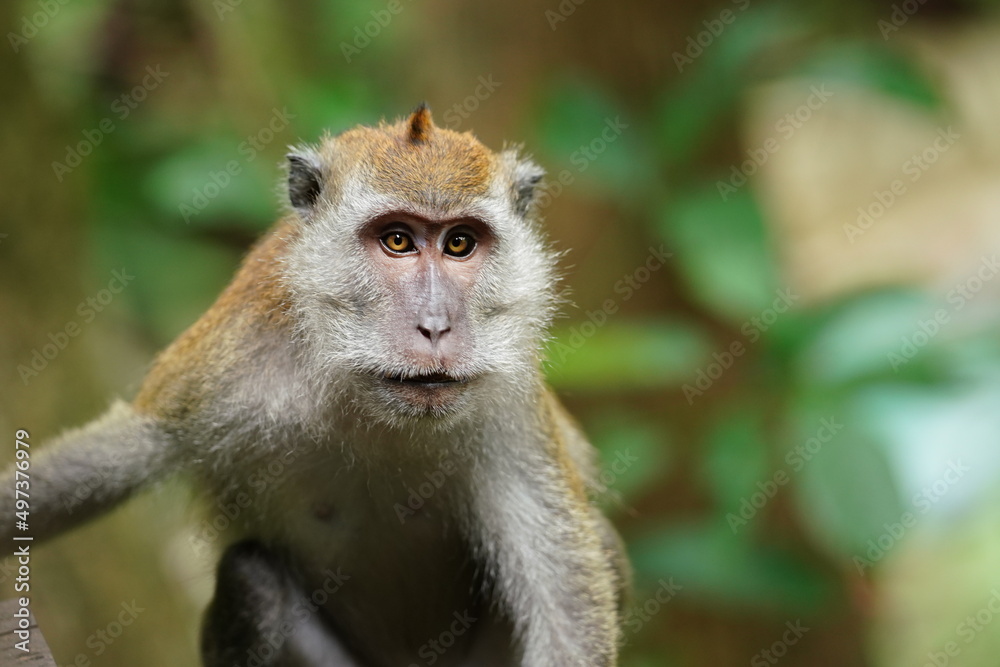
(428, 270)
(422, 284)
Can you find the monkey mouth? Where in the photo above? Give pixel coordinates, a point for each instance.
(429, 380)
(426, 393)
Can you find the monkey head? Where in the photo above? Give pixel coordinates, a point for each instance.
(420, 281)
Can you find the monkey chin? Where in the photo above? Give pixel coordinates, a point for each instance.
(430, 398)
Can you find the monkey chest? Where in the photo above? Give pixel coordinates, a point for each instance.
(403, 572)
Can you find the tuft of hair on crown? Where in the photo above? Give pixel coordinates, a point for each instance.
(420, 124)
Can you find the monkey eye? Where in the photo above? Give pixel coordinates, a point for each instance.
(398, 243)
(459, 245)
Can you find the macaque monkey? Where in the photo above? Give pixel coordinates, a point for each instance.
(383, 343)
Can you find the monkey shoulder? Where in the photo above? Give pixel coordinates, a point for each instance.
(241, 344)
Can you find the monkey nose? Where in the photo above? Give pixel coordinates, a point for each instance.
(432, 327)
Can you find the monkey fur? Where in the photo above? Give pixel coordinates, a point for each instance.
(385, 336)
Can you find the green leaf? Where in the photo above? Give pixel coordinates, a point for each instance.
(713, 565)
(856, 340)
(723, 250)
(709, 87)
(736, 456)
(634, 452)
(845, 487)
(587, 135)
(624, 355)
(215, 182)
(873, 66)
(334, 106)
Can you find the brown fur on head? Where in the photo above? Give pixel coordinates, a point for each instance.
(412, 158)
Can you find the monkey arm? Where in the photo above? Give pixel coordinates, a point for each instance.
(557, 564)
(84, 473)
(551, 568)
(583, 458)
(259, 610)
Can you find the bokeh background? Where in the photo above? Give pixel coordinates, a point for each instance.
(782, 225)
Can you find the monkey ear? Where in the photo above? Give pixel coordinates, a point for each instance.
(305, 179)
(527, 176)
